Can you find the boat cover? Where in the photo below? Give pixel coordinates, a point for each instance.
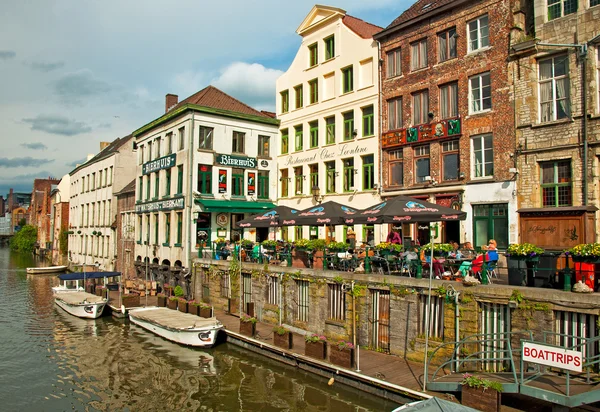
(87, 275)
(434, 405)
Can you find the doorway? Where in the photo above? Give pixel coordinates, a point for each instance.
(262, 233)
(380, 319)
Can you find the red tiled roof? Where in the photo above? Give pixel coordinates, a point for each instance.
(417, 9)
(361, 27)
(212, 97)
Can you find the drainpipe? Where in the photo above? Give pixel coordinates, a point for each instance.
(190, 207)
(583, 56)
(354, 340)
(280, 299)
(379, 147)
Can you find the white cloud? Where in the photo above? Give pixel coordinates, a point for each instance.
(57, 124)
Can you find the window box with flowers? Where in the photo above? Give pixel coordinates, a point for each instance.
(524, 251)
(439, 249)
(585, 253)
(387, 248)
(269, 244)
(182, 305)
(342, 354)
(299, 254)
(481, 394)
(247, 325)
(282, 337)
(315, 346)
(172, 303)
(161, 300)
(205, 310)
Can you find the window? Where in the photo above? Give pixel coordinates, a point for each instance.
(150, 153)
(94, 214)
(336, 299)
(285, 101)
(181, 138)
(180, 179)
(82, 184)
(205, 138)
(418, 55)
(554, 89)
(156, 229)
(368, 121)
(158, 152)
(575, 329)
(478, 34)
(436, 311)
(348, 174)
(313, 86)
(238, 142)
(314, 133)
(225, 282)
(394, 63)
(303, 308)
(273, 290)
(447, 45)
(204, 179)
(237, 182)
(298, 180)
(594, 3)
(490, 221)
(168, 182)
(347, 79)
(313, 55)
(328, 90)
(141, 188)
(483, 153)
(330, 178)
(156, 185)
(480, 95)
(314, 175)
(169, 142)
(263, 184)
(93, 181)
(107, 214)
(285, 141)
(560, 8)
(348, 125)
(139, 224)
(167, 228)
(179, 228)
(298, 140)
(368, 172)
(329, 47)
(263, 146)
(285, 182)
(330, 130)
(449, 101)
(148, 187)
(299, 98)
(396, 167)
(100, 175)
(395, 114)
(420, 107)
(141, 154)
(556, 183)
(110, 176)
(421, 163)
(450, 160)
(148, 229)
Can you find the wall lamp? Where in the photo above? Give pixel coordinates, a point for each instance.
(316, 192)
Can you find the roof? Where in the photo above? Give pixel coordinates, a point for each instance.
(109, 150)
(129, 188)
(419, 8)
(361, 27)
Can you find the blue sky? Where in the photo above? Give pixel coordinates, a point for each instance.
(74, 74)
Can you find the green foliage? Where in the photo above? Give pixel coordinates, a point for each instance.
(269, 244)
(473, 381)
(341, 345)
(63, 241)
(338, 280)
(316, 244)
(245, 318)
(392, 247)
(280, 330)
(178, 291)
(24, 240)
(340, 246)
(22, 222)
(301, 243)
(516, 296)
(523, 250)
(586, 250)
(358, 290)
(438, 247)
(441, 290)
(246, 244)
(313, 338)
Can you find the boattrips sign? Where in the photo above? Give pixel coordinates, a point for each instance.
(236, 161)
(161, 205)
(164, 162)
(552, 356)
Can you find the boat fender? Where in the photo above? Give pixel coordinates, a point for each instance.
(331, 381)
(123, 309)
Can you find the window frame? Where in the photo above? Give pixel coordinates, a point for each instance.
(481, 88)
(368, 172)
(447, 36)
(330, 177)
(263, 184)
(298, 181)
(313, 88)
(314, 134)
(556, 184)
(394, 63)
(180, 179)
(313, 171)
(394, 106)
(348, 125)
(474, 172)
(336, 302)
(313, 54)
(329, 47)
(450, 148)
(553, 82)
(264, 141)
(298, 138)
(205, 179)
(348, 174)
(479, 46)
(368, 121)
(303, 306)
(421, 153)
(285, 182)
(237, 182)
(238, 142)
(395, 158)
(422, 61)
(449, 95)
(285, 141)
(299, 96)
(205, 137)
(167, 182)
(330, 130)
(285, 101)
(420, 116)
(347, 79)
(562, 11)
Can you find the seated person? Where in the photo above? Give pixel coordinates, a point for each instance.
(362, 253)
(467, 251)
(438, 267)
(491, 255)
(410, 254)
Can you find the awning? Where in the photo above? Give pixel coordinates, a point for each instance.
(88, 275)
(237, 206)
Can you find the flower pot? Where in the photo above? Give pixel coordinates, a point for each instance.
(161, 301)
(585, 259)
(193, 309)
(343, 358)
(130, 301)
(247, 328)
(318, 259)
(182, 306)
(205, 312)
(316, 349)
(487, 400)
(284, 341)
(299, 259)
(172, 304)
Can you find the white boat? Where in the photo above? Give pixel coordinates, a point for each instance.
(46, 270)
(183, 328)
(81, 304)
(75, 282)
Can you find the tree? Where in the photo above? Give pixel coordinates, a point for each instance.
(24, 240)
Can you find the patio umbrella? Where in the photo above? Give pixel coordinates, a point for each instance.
(271, 218)
(328, 213)
(405, 209)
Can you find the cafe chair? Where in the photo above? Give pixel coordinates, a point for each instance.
(491, 269)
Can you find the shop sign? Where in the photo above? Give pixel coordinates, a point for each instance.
(552, 356)
(251, 183)
(328, 153)
(222, 181)
(236, 161)
(222, 219)
(164, 162)
(161, 205)
(421, 133)
(263, 164)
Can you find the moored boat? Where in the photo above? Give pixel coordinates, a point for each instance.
(75, 282)
(81, 304)
(183, 328)
(46, 270)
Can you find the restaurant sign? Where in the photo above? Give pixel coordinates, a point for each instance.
(161, 205)
(251, 183)
(161, 163)
(236, 161)
(421, 133)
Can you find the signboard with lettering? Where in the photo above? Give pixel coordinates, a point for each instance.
(222, 181)
(328, 153)
(251, 183)
(421, 133)
(553, 229)
(161, 205)
(236, 161)
(552, 356)
(155, 165)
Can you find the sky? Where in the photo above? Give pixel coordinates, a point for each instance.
(76, 73)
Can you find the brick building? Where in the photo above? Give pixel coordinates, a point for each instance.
(59, 221)
(40, 212)
(126, 231)
(447, 119)
(556, 72)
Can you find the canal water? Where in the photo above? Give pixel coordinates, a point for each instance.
(52, 361)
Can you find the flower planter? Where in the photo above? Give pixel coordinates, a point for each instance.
(205, 312)
(161, 301)
(193, 309)
(299, 259)
(487, 400)
(343, 358)
(585, 259)
(284, 341)
(318, 260)
(316, 349)
(182, 306)
(247, 328)
(525, 258)
(172, 304)
(130, 301)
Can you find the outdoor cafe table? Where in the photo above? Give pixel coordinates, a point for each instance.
(454, 264)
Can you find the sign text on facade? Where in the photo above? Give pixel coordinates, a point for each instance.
(552, 356)
(164, 162)
(236, 161)
(161, 205)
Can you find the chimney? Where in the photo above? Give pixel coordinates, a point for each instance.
(103, 145)
(170, 101)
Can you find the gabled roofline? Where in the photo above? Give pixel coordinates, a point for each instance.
(105, 153)
(305, 26)
(204, 109)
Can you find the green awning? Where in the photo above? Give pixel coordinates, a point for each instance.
(237, 206)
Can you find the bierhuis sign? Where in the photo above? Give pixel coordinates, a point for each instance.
(165, 162)
(236, 161)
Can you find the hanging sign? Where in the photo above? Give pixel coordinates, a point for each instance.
(222, 219)
(222, 181)
(552, 356)
(251, 183)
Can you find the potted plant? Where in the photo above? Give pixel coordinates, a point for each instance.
(439, 249)
(524, 251)
(269, 244)
(337, 246)
(205, 310)
(299, 255)
(481, 394)
(282, 337)
(387, 248)
(586, 252)
(316, 249)
(161, 300)
(315, 346)
(301, 244)
(246, 244)
(247, 325)
(131, 300)
(194, 307)
(182, 305)
(168, 290)
(342, 354)
(172, 303)
(220, 242)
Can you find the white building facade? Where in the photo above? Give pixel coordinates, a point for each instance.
(92, 210)
(328, 104)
